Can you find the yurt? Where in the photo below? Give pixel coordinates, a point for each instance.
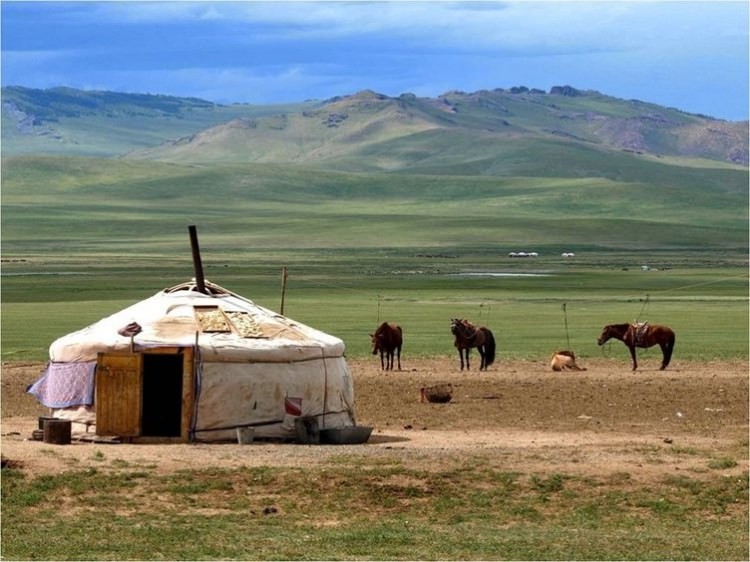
(196, 362)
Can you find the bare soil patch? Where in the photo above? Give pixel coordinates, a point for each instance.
(517, 416)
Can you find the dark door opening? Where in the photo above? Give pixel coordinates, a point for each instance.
(162, 395)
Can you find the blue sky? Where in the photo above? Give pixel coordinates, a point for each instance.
(688, 55)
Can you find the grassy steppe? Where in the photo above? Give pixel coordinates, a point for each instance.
(84, 237)
(707, 307)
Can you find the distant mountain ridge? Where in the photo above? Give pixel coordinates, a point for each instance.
(491, 132)
(67, 121)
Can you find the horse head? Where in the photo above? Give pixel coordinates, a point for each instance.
(606, 334)
(375, 343)
(456, 326)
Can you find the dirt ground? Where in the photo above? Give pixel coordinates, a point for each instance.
(518, 415)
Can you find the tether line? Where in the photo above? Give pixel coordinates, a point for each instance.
(565, 317)
(669, 290)
(645, 303)
(487, 315)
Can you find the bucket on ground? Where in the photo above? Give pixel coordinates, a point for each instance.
(245, 435)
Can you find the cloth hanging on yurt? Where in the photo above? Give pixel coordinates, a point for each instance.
(65, 384)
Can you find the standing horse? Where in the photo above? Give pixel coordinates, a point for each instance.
(641, 335)
(387, 340)
(467, 336)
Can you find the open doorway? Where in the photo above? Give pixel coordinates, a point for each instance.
(145, 394)
(162, 395)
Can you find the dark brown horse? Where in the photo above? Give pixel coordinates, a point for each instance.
(467, 336)
(641, 335)
(387, 340)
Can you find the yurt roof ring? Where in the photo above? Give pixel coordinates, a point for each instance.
(192, 285)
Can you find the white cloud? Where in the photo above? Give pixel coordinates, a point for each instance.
(546, 26)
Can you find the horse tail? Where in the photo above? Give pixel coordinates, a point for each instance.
(669, 349)
(489, 354)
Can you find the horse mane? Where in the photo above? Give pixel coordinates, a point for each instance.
(470, 330)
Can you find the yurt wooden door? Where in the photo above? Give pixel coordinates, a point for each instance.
(145, 395)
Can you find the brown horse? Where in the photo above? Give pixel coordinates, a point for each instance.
(641, 335)
(387, 340)
(467, 336)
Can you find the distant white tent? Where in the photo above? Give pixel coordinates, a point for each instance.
(188, 365)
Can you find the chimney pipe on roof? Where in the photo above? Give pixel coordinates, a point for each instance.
(197, 265)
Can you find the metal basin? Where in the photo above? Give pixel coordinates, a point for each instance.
(345, 435)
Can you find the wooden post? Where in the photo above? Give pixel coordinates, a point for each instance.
(284, 275)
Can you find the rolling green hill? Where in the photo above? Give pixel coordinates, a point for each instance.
(490, 171)
(484, 133)
(122, 206)
(66, 121)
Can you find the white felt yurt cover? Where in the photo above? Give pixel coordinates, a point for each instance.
(252, 363)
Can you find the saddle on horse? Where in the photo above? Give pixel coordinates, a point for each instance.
(639, 332)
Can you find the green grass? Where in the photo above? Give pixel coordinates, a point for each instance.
(707, 309)
(386, 511)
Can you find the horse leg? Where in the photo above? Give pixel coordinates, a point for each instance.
(390, 360)
(398, 353)
(461, 354)
(382, 360)
(663, 356)
(632, 354)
